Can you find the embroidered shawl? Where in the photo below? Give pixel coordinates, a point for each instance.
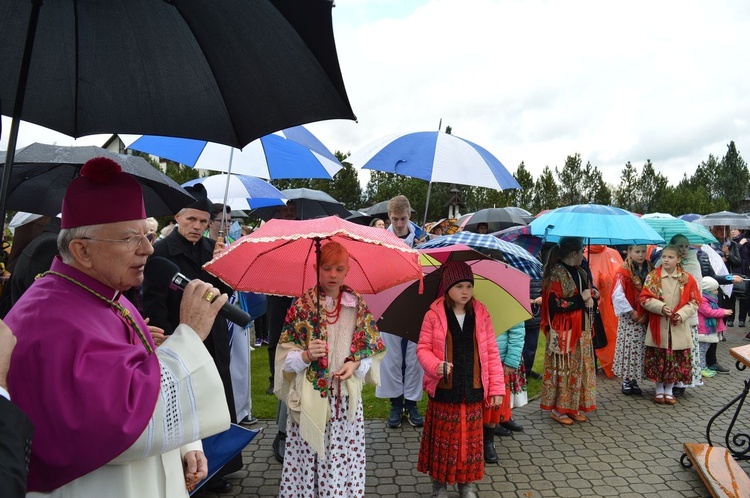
(652, 289)
(299, 329)
(567, 324)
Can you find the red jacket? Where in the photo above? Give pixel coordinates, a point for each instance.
(431, 348)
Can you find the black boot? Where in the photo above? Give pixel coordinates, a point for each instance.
(490, 455)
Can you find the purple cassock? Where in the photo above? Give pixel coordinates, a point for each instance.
(82, 374)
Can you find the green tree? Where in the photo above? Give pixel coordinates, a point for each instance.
(345, 186)
(626, 195)
(732, 178)
(546, 192)
(524, 198)
(652, 186)
(570, 180)
(593, 188)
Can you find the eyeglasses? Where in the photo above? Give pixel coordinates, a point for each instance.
(132, 243)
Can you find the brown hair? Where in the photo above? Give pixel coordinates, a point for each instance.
(399, 204)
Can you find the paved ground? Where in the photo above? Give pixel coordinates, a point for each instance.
(630, 448)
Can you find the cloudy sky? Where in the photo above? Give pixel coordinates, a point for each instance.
(536, 81)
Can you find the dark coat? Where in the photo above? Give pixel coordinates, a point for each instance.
(15, 449)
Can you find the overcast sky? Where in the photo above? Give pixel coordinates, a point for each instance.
(536, 81)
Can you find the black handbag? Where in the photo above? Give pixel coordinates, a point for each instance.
(597, 328)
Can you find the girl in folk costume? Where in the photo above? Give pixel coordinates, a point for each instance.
(569, 380)
(630, 350)
(671, 297)
(319, 374)
(463, 378)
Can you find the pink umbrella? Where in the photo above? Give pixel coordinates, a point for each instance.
(279, 257)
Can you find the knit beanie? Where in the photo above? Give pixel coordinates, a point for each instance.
(453, 273)
(709, 284)
(102, 194)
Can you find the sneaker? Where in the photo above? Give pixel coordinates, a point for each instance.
(258, 343)
(721, 337)
(394, 419)
(677, 392)
(730, 324)
(534, 375)
(634, 387)
(415, 419)
(626, 387)
(249, 420)
(707, 372)
(742, 324)
(719, 369)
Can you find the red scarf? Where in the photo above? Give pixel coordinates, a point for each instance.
(627, 275)
(567, 324)
(652, 289)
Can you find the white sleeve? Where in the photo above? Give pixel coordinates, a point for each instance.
(619, 301)
(294, 362)
(364, 367)
(191, 403)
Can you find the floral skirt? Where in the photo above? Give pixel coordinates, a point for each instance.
(569, 380)
(630, 349)
(452, 446)
(696, 357)
(667, 365)
(341, 472)
(517, 390)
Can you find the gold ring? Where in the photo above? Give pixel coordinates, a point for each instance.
(209, 296)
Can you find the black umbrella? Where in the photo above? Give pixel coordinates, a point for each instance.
(226, 71)
(310, 204)
(41, 175)
(495, 218)
(359, 217)
(380, 210)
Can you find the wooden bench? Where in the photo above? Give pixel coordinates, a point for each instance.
(721, 474)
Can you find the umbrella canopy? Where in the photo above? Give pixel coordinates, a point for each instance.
(525, 215)
(503, 290)
(668, 226)
(492, 246)
(242, 191)
(598, 224)
(725, 218)
(42, 173)
(495, 218)
(436, 157)
(227, 71)
(289, 153)
(689, 216)
(521, 236)
(380, 209)
(359, 217)
(278, 258)
(310, 203)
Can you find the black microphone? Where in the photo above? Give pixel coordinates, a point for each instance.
(164, 274)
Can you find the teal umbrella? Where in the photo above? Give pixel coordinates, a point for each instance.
(668, 226)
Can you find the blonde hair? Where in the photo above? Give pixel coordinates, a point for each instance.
(399, 204)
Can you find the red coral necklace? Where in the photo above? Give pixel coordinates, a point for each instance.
(333, 316)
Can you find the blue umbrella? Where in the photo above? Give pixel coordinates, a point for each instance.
(689, 216)
(598, 224)
(290, 153)
(668, 226)
(436, 157)
(240, 191)
(221, 447)
(512, 254)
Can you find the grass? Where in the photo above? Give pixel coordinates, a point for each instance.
(264, 405)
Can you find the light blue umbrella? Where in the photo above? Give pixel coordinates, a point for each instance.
(668, 226)
(244, 192)
(290, 153)
(597, 224)
(513, 255)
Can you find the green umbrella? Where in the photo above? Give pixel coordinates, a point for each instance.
(668, 226)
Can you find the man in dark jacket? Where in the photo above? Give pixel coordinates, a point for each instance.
(190, 250)
(730, 254)
(744, 249)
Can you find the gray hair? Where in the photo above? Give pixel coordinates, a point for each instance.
(68, 235)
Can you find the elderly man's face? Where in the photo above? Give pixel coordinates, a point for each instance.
(191, 223)
(118, 254)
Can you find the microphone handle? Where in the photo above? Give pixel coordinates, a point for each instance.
(229, 311)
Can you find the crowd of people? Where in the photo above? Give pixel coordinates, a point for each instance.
(116, 377)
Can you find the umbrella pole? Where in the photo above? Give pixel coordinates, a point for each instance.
(226, 195)
(316, 331)
(23, 77)
(427, 205)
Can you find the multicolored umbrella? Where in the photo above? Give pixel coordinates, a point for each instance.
(241, 191)
(492, 246)
(596, 223)
(521, 236)
(502, 289)
(279, 257)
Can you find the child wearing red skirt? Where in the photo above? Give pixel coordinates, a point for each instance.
(463, 374)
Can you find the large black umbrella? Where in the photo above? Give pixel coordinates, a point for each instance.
(226, 71)
(496, 219)
(42, 173)
(309, 203)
